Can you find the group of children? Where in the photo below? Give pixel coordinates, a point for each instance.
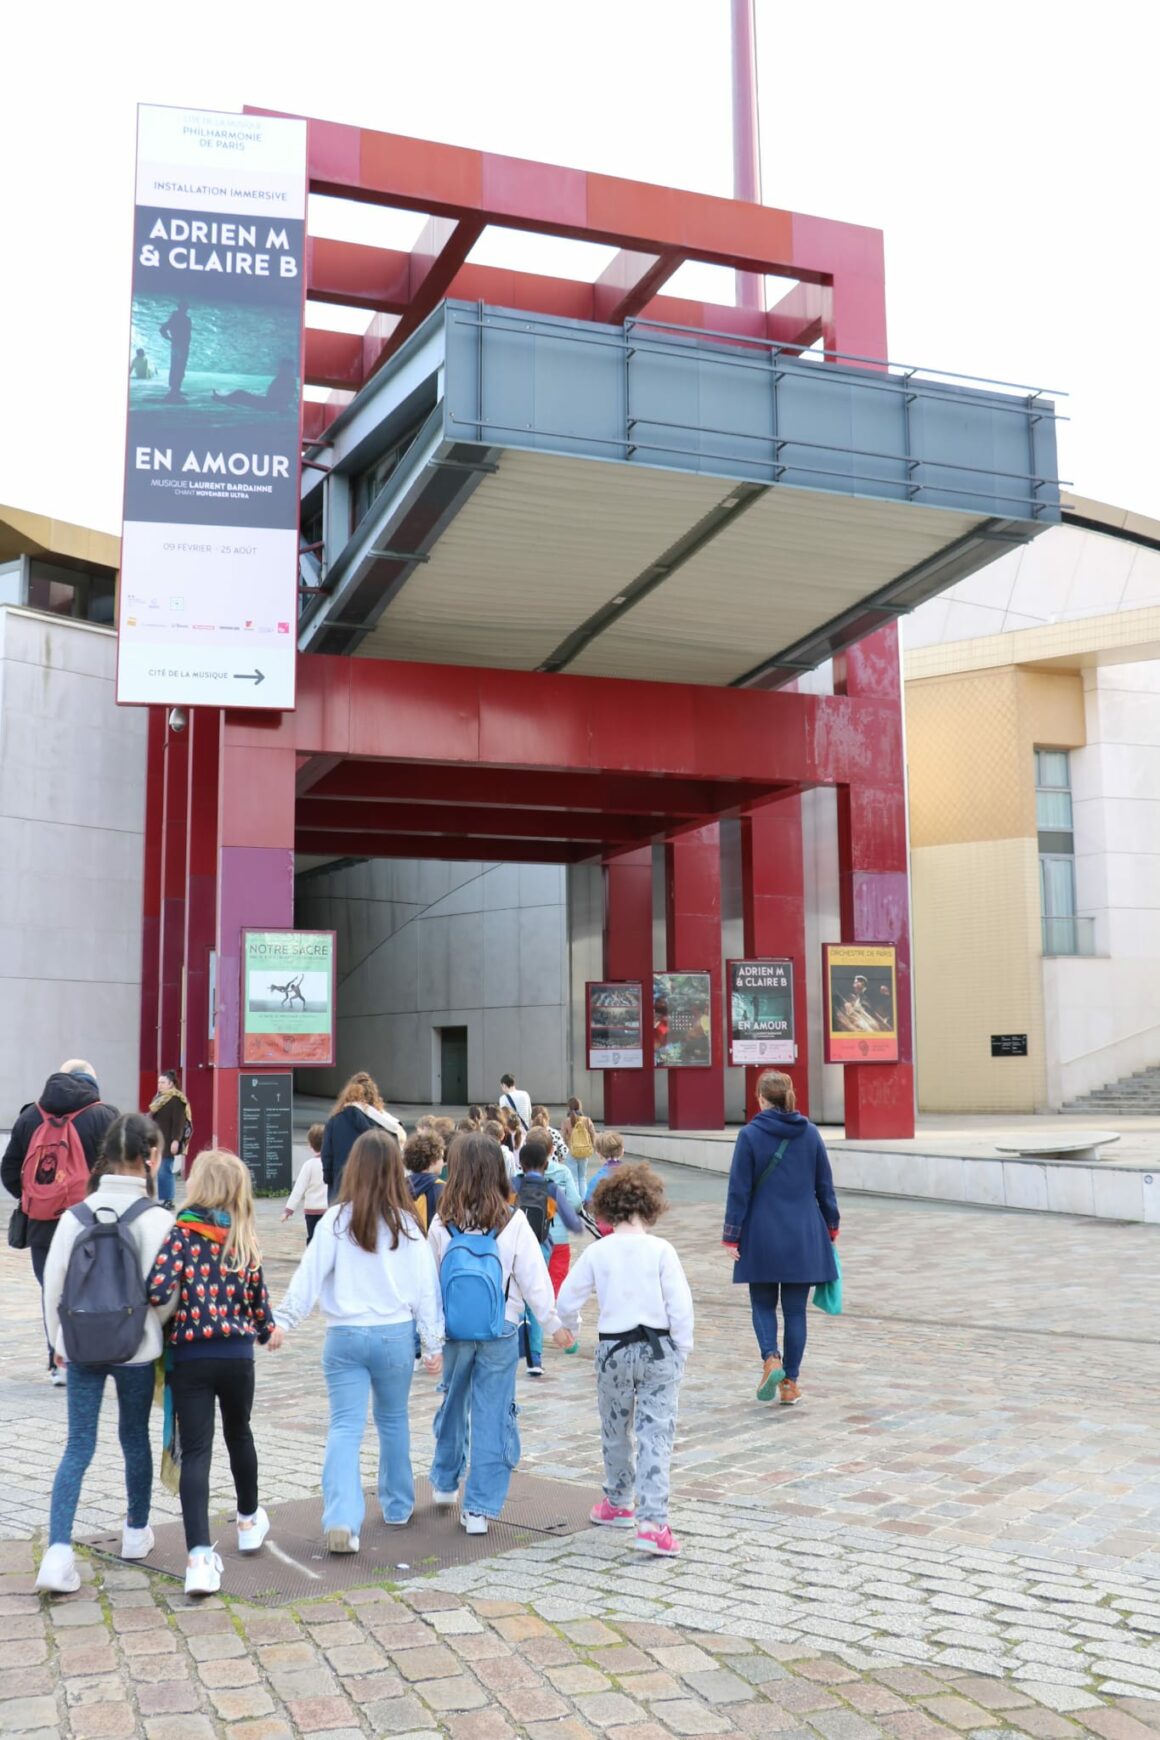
(453, 1247)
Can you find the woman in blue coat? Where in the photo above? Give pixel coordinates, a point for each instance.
(781, 1218)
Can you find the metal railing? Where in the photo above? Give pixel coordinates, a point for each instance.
(1069, 936)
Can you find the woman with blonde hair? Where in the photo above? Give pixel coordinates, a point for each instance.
(358, 1108)
(370, 1267)
(781, 1222)
(212, 1262)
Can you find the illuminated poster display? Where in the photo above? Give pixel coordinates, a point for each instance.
(288, 996)
(682, 1020)
(615, 1024)
(761, 1012)
(861, 991)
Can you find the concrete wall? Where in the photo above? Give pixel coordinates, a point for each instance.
(428, 945)
(72, 799)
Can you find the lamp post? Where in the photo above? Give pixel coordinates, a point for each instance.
(746, 132)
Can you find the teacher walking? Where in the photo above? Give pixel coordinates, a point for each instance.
(781, 1218)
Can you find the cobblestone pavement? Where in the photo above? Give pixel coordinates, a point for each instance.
(956, 1532)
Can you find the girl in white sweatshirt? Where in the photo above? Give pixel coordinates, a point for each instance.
(645, 1336)
(370, 1267)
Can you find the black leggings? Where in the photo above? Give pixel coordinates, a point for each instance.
(197, 1385)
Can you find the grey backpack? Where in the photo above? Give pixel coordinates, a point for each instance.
(104, 1303)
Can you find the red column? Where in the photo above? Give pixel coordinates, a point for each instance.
(173, 826)
(872, 867)
(255, 890)
(201, 859)
(630, 1094)
(773, 897)
(150, 1049)
(693, 917)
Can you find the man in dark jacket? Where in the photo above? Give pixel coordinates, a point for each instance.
(72, 1089)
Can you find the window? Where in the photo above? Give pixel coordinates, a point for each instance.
(1063, 932)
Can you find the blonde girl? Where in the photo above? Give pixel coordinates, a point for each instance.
(212, 1262)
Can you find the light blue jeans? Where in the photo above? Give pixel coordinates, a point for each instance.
(532, 1328)
(360, 1362)
(479, 1408)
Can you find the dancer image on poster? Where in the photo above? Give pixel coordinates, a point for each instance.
(178, 329)
(280, 395)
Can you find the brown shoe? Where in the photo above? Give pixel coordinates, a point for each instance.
(788, 1393)
(772, 1373)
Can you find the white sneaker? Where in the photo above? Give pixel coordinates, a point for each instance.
(474, 1522)
(58, 1573)
(535, 1371)
(249, 1540)
(203, 1574)
(398, 1522)
(341, 1541)
(57, 1378)
(444, 1499)
(136, 1543)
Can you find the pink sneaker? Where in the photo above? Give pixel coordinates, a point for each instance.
(662, 1542)
(612, 1516)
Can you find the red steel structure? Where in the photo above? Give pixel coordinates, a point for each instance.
(387, 758)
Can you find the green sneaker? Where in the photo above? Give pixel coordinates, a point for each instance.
(771, 1375)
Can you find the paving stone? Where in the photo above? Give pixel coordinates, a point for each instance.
(575, 1678)
(17, 1714)
(956, 1712)
(610, 1710)
(460, 1692)
(234, 1706)
(179, 1728)
(844, 1725)
(403, 1715)
(719, 1686)
(532, 1703)
(169, 1697)
(312, 1715)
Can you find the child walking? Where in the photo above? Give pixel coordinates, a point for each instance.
(610, 1148)
(490, 1263)
(645, 1336)
(212, 1263)
(310, 1186)
(121, 1192)
(548, 1203)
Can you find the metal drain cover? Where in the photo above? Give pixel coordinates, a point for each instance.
(294, 1563)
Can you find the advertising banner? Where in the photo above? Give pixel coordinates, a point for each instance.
(682, 1020)
(861, 989)
(615, 1024)
(761, 1012)
(288, 996)
(208, 600)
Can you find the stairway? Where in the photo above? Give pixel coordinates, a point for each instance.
(1136, 1096)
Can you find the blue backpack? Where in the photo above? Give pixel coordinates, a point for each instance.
(471, 1280)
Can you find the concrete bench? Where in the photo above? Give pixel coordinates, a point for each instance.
(1085, 1147)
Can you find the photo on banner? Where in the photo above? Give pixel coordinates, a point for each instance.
(288, 1007)
(860, 981)
(208, 600)
(682, 1020)
(761, 1028)
(615, 1024)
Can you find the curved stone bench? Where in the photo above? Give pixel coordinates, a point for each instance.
(1085, 1147)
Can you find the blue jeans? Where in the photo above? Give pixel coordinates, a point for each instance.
(371, 1360)
(479, 1405)
(165, 1181)
(532, 1327)
(795, 1296)
(86, 1387)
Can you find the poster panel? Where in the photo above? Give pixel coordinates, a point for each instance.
(682, 1020)
(761, 1012)
(288, 1011)
(861, 991)
(615, 1024)
(208, 600)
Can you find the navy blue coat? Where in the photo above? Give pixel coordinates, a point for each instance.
(782, 1230)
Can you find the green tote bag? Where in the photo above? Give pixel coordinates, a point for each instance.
(828, 1296)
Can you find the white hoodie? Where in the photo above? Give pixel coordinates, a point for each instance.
(360, 1289)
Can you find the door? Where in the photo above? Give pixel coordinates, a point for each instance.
(453, 1065)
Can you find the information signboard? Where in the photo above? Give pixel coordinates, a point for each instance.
(860, 981)
(761, 1012)
(615, 1024)
(288, 996)
(682, 1020)
(266, 1128)
(208, 599)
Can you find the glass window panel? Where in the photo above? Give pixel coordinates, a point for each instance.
(1057, 887)
(1053, 809)
(1051, 768)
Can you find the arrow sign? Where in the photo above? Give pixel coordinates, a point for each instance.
(255, 676)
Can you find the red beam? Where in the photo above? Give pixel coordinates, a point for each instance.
(668, 800)
(630, 281)
(500, 850)
(352, 816)
(436, 257)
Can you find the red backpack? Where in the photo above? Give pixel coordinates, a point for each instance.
(56, 1168)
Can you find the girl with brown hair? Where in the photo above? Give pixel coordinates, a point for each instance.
(476, 1225)
(358, 1108)
(370, 1268)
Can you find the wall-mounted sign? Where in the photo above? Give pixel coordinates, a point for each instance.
(615, 1024)
(1008, 1045)
(860, 981)
(288, 996)
(761, 1012)
(682, 1020)
(208, 599)
(266, 1128)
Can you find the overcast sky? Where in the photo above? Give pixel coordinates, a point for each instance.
(1007, 150)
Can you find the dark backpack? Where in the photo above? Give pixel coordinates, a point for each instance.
(55, 1173)
(535, 1196)
(103, 1305)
